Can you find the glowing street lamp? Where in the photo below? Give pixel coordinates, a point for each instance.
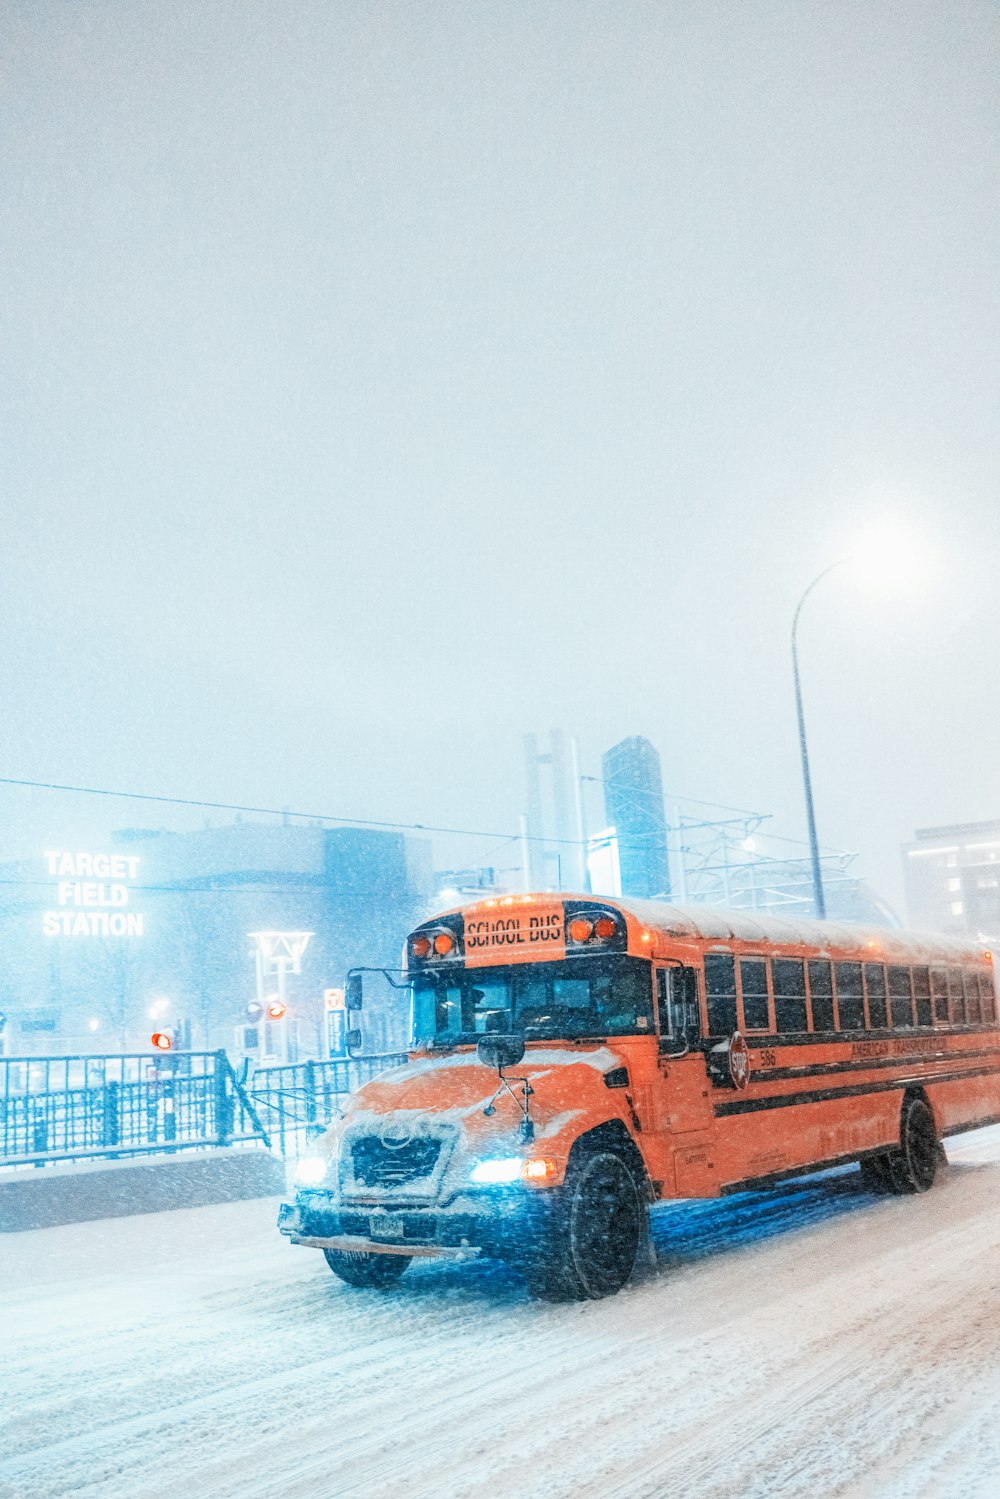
(883, 552)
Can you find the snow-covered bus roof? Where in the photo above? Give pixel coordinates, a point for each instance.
(709, 923)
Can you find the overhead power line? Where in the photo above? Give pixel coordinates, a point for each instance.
(327, 817)
(357, 822)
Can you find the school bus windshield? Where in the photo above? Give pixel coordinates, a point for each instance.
(587, 996)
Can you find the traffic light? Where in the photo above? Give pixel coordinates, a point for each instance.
(254, 1010)
(276, 1010)
(162, 1040)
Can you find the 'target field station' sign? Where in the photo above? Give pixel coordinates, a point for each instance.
(91, 894)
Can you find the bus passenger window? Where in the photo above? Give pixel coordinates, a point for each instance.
(900, 997)
(971, 996)
(720, 988)
(957, 996)
(850, 1001)
(875, 987)
(987, 997)
(753, 982)
(939, 995)
(821, 995)
(789, 994)
(922, 995)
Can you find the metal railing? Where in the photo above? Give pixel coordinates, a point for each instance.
(85, 1108)
(296, 1102)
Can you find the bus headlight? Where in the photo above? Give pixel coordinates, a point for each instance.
(310, 1170)
(500, 1169)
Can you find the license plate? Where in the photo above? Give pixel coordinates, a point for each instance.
(386, 1225)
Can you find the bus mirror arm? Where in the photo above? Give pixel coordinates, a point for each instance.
(501, 1051)
(354, 1001)
(354, 984)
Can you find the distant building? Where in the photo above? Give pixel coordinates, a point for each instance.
(633, 804)
(98, 949)
(552, 851)
(952, 877)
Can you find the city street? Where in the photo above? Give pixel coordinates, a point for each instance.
(812, 1342)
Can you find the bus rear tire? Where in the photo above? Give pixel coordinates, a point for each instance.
(914, 1165)
(876, 1173)
(587, 1247)
(372, 1271)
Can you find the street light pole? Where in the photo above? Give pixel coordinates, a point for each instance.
(819, 899)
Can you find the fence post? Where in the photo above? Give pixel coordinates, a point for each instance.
(111, 1115)
(312, 1111)
(39, 1128)
(224, 1100)
(170, 1102)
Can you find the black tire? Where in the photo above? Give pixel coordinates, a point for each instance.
(374, 1271)
(876, 1173)
(914, 1164)
(587, 1246)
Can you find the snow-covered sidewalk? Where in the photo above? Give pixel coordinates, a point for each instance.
(809, 1342)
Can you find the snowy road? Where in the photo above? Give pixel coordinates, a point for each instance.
(811, 1342)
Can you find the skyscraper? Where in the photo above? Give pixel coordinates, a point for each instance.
(633, 803)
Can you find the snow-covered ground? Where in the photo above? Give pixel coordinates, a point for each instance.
(813, 1341)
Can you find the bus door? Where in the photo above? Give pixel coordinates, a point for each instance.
(686, 1111)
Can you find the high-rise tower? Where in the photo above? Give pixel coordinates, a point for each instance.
(633, 802)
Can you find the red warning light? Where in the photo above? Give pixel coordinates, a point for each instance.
(161, 1040)
(276, 1010)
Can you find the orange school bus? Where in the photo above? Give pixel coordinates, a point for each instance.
(575, 1060)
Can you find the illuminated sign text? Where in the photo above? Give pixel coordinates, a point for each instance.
(90, 893)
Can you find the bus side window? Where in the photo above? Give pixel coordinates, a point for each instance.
(691, 1004)
(987, 997)
(922, 994)
(957, 996)
(850, 999)
(875, 986)
(720, 988)
(789, 993)
(939, 989)
(900, 997)
(821, 996)
(753, 984)
(971, 996)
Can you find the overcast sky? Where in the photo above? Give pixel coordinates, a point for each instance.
(382, 381)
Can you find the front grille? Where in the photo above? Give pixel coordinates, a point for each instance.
(378, 1165)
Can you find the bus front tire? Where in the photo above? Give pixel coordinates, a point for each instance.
(913, 1166)
(587, 1247)
(372, 1271)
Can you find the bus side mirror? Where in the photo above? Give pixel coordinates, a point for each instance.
(353, 996)
(499, 1050)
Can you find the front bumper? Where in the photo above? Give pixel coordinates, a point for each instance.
(492, 1226)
